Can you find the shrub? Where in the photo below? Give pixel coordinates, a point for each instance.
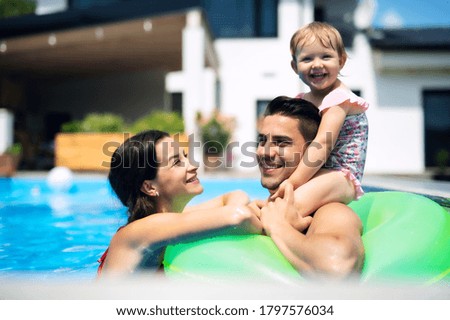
(72, 126)
(215, 135)
(170, 122)
(102, 122)
(442, 157)
(13, 8)
(15, 149)
(96, 122)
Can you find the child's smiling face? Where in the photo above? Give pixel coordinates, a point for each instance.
(317, 66)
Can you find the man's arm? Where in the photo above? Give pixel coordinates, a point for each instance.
(331, 247)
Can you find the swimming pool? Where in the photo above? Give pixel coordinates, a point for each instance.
(48, 233)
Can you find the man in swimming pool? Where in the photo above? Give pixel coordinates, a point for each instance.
(328, 243)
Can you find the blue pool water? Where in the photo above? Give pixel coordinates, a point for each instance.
(47, 233)
(50, 233)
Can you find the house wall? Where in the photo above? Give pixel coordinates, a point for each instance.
(258, 69)
(397, 121)
(6, 129)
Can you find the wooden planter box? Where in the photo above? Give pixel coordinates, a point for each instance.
(8, 165)
(87, 151)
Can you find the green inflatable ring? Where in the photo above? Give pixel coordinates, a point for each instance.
(406, 236)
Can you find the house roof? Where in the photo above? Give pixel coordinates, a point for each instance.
(93, 15)
(125, 36)
(411, 38)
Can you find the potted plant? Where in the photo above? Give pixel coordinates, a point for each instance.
(9, 160)
(215, 133)
(88, 144)
(442, 160)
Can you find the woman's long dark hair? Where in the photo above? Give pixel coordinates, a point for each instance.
(131, 164)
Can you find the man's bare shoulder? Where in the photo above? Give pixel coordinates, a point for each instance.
(336, 218)
(339, 222)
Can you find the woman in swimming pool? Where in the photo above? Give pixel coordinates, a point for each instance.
(153, 177)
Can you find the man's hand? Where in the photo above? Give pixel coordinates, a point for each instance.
(246, 219)
(256, 206)
(283, 210)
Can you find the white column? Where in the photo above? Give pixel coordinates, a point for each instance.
(308, 11)
(364, 54)
(193, 62)
(6, 129)
(292, 14)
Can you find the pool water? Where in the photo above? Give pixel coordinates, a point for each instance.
(48, 233)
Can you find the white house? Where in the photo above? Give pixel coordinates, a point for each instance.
(394, 79)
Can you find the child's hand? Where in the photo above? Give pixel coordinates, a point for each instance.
(292, 216)
(280, 191)
(275, 214)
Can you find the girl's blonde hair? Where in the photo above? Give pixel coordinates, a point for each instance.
(328, 35)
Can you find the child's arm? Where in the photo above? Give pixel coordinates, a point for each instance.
(319, 150)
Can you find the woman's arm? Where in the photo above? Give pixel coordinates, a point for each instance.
(151, 234)
(237, 198)
(160, 230)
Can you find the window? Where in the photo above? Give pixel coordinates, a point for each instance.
(340, 15)
(357, 92)
(242, 18)
(260, 108)
(436, 104)
(177, 102)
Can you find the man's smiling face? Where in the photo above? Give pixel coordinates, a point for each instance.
(280, 149)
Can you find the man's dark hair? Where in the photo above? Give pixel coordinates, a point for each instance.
(296, 108)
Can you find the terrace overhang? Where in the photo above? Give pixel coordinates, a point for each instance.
(151, 42)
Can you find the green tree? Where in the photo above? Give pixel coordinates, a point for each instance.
(12, 8)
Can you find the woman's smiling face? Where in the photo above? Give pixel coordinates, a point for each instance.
(176, 175)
